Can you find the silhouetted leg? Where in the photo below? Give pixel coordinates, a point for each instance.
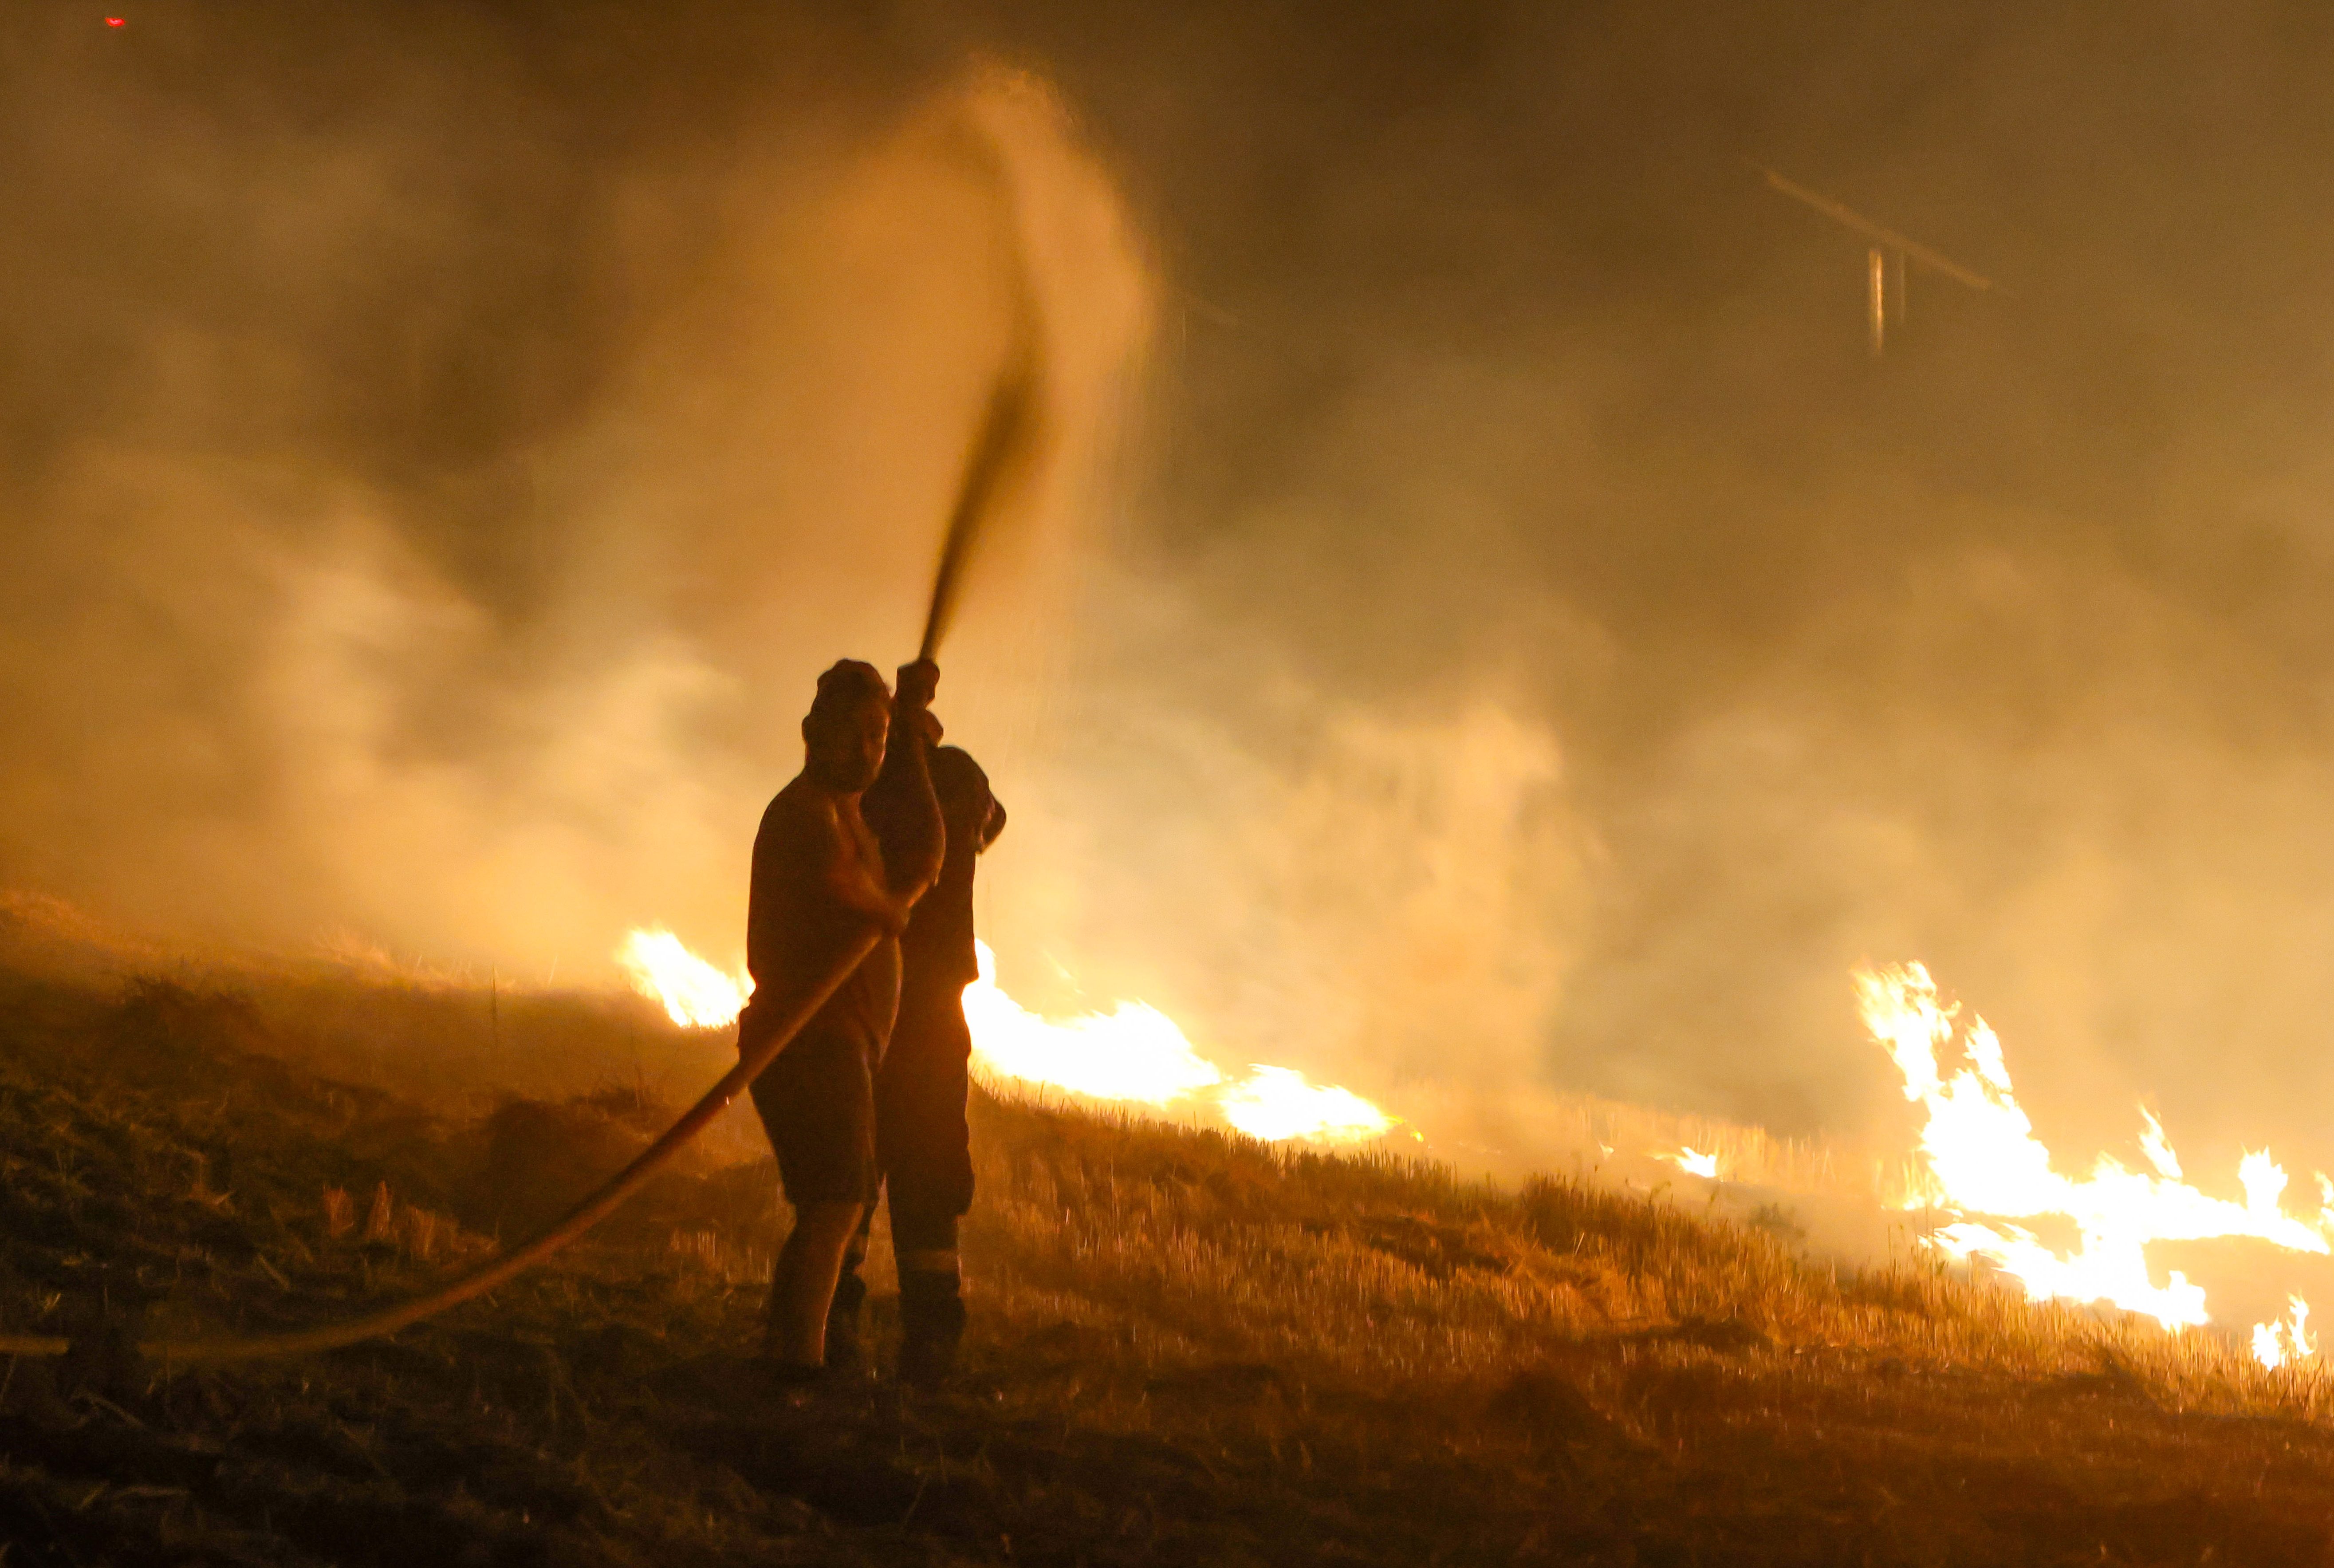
(932, 1294)
(927, 1158)
(802, 1287)
(845, 1350)
(817, 1103)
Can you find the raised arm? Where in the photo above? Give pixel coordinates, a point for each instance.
(899, 806)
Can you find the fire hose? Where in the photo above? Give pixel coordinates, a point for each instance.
(1004, 447)
(495, 1271)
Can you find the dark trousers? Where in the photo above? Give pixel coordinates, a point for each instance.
(925, 1153)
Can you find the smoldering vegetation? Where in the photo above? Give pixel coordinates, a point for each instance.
(1187, 1348)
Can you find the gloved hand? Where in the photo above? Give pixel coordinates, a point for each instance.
(917, 683)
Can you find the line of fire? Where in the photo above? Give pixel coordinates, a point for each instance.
(1025, 784)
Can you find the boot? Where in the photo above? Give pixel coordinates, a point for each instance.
(795, 1381)
(931, 1322)
(846, 1354)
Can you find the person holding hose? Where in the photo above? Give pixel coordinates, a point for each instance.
(822, 882)
(829, 904)
(921, 1140)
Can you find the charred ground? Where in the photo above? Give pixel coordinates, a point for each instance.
(1188, 1348)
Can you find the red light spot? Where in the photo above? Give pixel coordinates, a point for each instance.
(115, 21)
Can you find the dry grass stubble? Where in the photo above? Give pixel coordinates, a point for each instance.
(1187, 1348)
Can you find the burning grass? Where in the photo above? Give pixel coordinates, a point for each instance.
(1188, 1347)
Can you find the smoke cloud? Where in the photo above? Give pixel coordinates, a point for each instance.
(443, 569)
(1533, 644)
(1508, 385)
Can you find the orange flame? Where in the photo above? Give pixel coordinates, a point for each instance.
(1275, 1103)
(1982, 1163)
(1133, 1054)
(695, 995)
(2277, 1345)
(1693, 1162)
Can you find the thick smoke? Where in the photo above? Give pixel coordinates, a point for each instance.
(1540, 646)
(440, 567)
(1508, 388)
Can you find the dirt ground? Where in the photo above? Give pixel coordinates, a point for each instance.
(1186, 1348)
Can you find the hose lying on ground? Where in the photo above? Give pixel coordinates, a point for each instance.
(496, 1270)
(1006, 440)
(1002, 436)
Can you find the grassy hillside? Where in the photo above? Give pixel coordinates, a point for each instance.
(1186, 1348)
